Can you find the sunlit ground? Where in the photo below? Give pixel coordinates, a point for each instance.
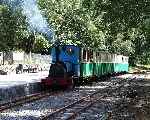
(94, 87)
(138, 76)
(34, 113)
(19, 79)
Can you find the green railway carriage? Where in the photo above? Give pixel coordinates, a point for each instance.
(95, 63)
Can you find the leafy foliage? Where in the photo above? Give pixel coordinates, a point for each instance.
(8, 29)
(14, 32)
(112, 25)
(72, 22)
(41, 44)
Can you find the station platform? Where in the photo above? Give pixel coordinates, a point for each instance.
(17, 85)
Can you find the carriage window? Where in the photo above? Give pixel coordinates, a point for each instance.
(88, 55)
(97, 56)
(103, 57)
(91, 55)
(106, 57)
(114, 58)
(84, 54)
(122, 59)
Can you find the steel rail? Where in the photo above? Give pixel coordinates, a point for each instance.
(26, 99)
(88, 97)
(83, 109)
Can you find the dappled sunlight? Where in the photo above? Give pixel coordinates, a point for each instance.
(88, 89)
(17, 79)
(124, 76)
(137, 76)
(111, 99)
(93, 87)
(26, 113)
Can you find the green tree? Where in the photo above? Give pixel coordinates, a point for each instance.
(41, 44)
(73, 23)
(115, 26)
(12, 24)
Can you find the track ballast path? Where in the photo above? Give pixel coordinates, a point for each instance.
(71, 111)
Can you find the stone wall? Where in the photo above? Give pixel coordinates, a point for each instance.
(10, 61)
(21, 57)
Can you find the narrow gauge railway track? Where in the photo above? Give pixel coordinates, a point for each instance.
(26, 99)
(71, 111)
